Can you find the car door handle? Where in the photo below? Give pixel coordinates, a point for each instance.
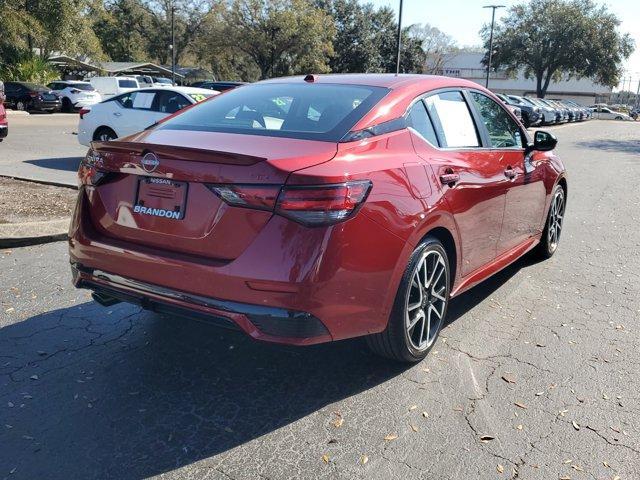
(449, 177)
(117, 114)
(509, 172)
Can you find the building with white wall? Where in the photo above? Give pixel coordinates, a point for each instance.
(468, 65)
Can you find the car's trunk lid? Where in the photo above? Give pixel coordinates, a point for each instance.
(155, 193)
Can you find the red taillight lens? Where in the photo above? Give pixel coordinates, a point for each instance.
(34, 94)
(261, 197)
(310, 205)
(322, 204)
(83, 112)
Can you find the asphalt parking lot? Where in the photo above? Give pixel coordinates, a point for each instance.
(43, 147)
(534, 377)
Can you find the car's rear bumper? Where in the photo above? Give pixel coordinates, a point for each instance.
(345, 277)
(262, 322)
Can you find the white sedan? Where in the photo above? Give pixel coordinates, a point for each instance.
(134, 111)
(605, 113)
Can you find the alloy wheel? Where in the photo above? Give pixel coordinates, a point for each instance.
(556, 217)
(426, 300)
(20, 106)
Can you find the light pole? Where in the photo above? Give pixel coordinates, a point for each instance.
(493, 19)
(399, 39)
(172, 46)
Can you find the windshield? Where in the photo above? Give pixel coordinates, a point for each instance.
(306, 111)
(163, 80)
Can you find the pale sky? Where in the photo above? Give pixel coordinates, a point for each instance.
(462, 19)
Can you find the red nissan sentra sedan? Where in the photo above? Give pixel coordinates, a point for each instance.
(309, 209)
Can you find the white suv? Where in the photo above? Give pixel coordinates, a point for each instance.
(75, 94)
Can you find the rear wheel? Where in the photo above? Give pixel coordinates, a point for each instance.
(67, 106)
(420, 306)
(553, 228)
(21, 105)
(104, 134)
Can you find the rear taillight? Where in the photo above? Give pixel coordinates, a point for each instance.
(311, 205)
(322, 204)
(83, 112)
(75, 90)
(260, 197)
(34, 94)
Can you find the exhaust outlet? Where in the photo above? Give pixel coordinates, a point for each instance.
(104, 299)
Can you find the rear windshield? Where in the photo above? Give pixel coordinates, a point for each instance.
(306, 111)
(127, 83)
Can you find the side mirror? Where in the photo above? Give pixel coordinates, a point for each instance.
(543, 141)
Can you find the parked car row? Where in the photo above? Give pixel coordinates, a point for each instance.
(539, 111)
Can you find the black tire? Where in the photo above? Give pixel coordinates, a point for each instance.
(22, 106)
(548, 244)
(67, 106)
(396, 341)
(104, 134)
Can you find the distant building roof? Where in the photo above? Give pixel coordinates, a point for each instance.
(112, 68)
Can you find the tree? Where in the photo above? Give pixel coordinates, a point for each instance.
(122, 27)
(438, 47)
(555, 39)
(280, 37)
(356, 40)
(412, 57)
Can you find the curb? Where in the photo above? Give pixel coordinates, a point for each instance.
(33, 233)
(16, 113)
(42, 182)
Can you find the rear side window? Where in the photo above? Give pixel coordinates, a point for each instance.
(452, 118)
(503, 130)
(323, 112)
(126, 83)
(419, 120)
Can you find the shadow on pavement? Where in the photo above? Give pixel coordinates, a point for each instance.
(90, 392)
(624, 146)
(64, 163)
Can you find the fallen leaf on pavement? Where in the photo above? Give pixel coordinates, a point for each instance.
(325, 458)
(520, 405)
(500, 468)
(575, 425)
(486, 438)
(391, 436)
(509, 377)
(364, 459)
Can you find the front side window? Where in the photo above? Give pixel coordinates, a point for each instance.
(170, 102)
(419, 120)
(452, 120)
(323, 112)
(503, 130)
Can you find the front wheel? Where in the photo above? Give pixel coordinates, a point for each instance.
(420, 306)
(553, 228)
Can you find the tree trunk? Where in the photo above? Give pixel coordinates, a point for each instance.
(539, 92)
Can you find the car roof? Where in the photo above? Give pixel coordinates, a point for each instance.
(387, 80)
